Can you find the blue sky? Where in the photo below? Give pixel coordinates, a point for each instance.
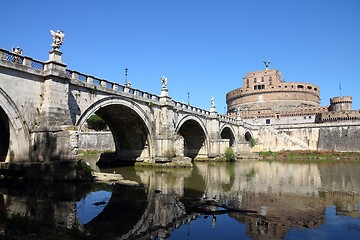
(203, 47)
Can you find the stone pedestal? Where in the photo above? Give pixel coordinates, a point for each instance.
(55, 62)
(55, 56)
(164, 92)
(213, 112)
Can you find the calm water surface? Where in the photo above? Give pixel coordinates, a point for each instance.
(243, 200)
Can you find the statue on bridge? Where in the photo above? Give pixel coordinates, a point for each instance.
(18, 51)
(212, 101)
(58, 38)
(164, 82)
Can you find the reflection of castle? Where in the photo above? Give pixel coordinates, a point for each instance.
(266, 98)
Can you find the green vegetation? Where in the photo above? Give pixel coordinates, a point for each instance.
(95, 122)
(230, 155)
(252, 142)
(170, 153)
(90, 152)
(309, 156)
(84, 171)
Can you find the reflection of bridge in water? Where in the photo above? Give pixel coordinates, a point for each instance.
(272, 197)
(282, 196)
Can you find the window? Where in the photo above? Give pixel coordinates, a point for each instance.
(262, 79)
(255, 87)
(267, 121)
(254, 80)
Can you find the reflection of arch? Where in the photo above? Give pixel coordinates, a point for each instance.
(129, 124)
(248, 136)
(126, 207)
(15, 133)
(195, 136)
(227, 132)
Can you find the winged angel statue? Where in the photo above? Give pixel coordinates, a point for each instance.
(58, 39)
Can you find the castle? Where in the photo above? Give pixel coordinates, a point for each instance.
(266, 99)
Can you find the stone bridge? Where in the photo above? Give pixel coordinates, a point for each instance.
(44, 105)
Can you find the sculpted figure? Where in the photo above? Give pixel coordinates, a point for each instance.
(58, 38)
(212, 102)
(16, 50)
(164, 82)
(267, 64)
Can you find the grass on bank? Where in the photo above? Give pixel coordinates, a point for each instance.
(316, 156)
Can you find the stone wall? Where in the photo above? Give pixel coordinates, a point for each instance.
(103, 141)
(342, 137)
(345, 138)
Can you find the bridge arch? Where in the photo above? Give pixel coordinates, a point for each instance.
(248, 135)
(196, 138)
(228, 132)
(129, 124)
(14, 133)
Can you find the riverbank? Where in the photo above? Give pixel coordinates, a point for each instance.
(310, 156)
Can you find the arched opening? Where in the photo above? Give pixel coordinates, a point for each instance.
(248, 136)
(130, 135)
(194, 139)
(226, 133)
(4, 135)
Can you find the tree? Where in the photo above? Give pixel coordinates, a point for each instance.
(95, 122)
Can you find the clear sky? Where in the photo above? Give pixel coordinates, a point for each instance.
(203, 47)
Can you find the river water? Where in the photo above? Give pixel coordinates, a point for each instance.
(242, 200)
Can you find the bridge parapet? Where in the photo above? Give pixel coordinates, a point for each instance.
(185, 106)
(20, 59)
(111, 85)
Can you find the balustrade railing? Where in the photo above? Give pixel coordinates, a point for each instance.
(111, 85)
(20, 59)
(35, 64)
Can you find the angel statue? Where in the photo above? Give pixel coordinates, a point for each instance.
(267, 64)
(212, 101)
(58, 39)
(164, 82)
(16, 50)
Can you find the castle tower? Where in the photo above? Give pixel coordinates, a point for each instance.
(265, 90)
(338, 104)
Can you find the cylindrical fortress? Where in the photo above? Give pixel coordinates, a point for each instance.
(266, 90)
(340, 104)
